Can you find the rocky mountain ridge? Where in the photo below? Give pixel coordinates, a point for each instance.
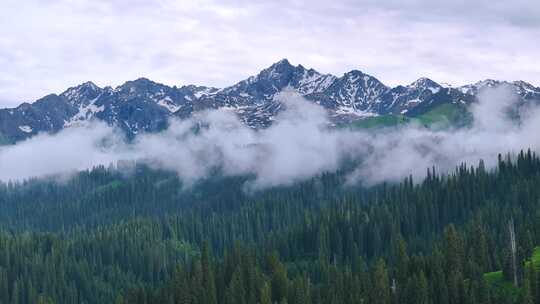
(145, 106)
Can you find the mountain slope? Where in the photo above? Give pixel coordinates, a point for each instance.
(142, 105)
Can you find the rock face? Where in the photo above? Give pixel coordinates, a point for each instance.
(145, 106)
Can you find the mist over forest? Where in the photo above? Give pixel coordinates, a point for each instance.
(299, 145)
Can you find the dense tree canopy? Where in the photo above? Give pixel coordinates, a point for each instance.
(110, 236)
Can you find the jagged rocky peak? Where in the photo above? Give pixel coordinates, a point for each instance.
(139, 84)
(24, 106)
(265, 84)
(523, 84)
(355, 92)
(363, 79)
(354, 74)
(282, 64)
(305, 81)
(141, 88)
(82, 93)
(279, 71)
(359, 80)
(197, 91)
(473, 89)
(522, 88)
(89, 85)
(488, 83)
(424, 83)
(143, 104)
(284, 70)
(526, 89)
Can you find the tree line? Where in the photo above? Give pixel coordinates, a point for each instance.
(105, 236)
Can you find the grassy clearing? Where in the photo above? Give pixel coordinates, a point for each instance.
(110, 186)
(380, 122)
(444, 116)
(440, 117)
(505, 288)
(535, 259)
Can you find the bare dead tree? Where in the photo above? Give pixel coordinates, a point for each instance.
(513, 250)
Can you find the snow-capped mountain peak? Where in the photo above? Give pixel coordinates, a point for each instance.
(355, 91)
(425, 83)
(82, 94)
(142, 105)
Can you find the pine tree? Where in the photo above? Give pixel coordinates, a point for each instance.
(15, 293)
(237, 290)
(422, 287)
(402, 273)
(527, 297)
(266, 294)
(208, 276)
(532, 279)
(182, 294)
(381, 284)
(278, 278)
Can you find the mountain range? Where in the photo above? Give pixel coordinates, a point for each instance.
(145, 106)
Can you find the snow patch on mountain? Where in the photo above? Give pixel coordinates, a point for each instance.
(168, 104)
(26, 129)
(86, 112)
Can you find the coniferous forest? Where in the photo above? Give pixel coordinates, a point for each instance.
(131, 234)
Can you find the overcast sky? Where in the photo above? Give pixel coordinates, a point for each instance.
(49, 45)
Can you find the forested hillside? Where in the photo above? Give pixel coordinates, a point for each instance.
(131, 234)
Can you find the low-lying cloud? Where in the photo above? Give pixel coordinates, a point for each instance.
(494, 130)
(298, 145)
